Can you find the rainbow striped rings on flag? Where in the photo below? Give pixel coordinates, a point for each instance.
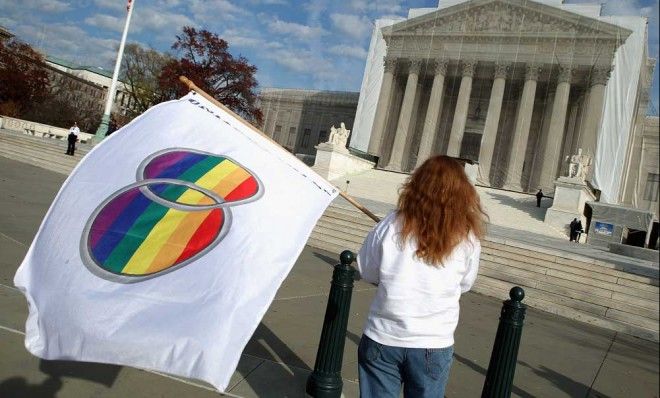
(177, 211)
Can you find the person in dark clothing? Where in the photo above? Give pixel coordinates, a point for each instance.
(575, 230)
(571, 229)
(578, 231)
(539, 196)
(72, 139)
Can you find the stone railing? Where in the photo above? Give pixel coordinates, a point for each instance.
(39, 129)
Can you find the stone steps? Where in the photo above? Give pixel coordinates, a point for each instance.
(560, 282)
(46, 153)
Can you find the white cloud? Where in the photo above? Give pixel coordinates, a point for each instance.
(345, 50)
(296, 30)
(51, 5)
(106, 22)
(160, 21)
(269, 2)
(64, 40)
(355, 26)
(111, 4)
(381, 6)
(213, 10)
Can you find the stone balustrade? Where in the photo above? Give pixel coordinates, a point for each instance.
(39, 129)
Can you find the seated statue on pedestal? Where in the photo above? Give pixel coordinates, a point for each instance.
(338, 136)
(578, 166)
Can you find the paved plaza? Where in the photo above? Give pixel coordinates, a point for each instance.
(558, 357)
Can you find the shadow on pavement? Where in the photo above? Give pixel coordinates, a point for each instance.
(95, 372)
(266, 345)
(353, 337)
(330, 261)
(18, 387)
(326, 258)
(571, 387)
(474, 366)
(527, 206)
(99, 373)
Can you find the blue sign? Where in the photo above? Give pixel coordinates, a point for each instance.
(602, 228)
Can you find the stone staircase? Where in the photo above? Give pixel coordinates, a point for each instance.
(47, 153)
(556, 281)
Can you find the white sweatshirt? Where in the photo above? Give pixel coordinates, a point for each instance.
(416, 304)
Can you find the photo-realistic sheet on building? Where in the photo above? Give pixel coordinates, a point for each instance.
(167, 243)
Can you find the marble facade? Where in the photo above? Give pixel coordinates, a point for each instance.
(513, 85)
(301, 119)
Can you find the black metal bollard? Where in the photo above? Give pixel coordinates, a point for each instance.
(325, 381)
(502, 366)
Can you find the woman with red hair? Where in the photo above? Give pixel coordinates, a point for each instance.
(422, 256)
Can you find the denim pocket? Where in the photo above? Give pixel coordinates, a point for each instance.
(368, 350)
(438, 361)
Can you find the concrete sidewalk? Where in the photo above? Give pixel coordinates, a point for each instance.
(558, 357)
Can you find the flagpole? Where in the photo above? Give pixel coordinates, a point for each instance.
(110, 99)
(191, 86)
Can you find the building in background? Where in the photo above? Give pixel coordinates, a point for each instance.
(97, 77)
(301, 119)
(517, 86)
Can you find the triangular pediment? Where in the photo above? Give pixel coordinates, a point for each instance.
(505, 18)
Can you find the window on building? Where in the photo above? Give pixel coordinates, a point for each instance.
(292, 137)
(652, 186)
(305, 138)
(277, 133)
(323, 136)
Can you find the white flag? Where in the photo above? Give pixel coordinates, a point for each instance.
(167, 243)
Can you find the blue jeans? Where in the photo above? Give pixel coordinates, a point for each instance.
(422, 371)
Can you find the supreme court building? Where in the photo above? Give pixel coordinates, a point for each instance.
(515, 85)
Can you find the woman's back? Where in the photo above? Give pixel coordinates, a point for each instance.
(422, 257)
(416, 304)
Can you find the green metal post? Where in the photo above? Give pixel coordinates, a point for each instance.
(102, 131)
(502, 367)
(325, 381)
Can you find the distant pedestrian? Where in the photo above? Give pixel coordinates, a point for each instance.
(422, 256)
(72, 139)
(578, 231)
(539, 196)
(573, 228)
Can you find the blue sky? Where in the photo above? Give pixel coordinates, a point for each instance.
(318, 44)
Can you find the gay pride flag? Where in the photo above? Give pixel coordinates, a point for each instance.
(167, 243)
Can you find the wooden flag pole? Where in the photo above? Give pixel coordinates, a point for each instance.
(191, 86)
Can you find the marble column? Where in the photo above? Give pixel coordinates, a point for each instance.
(492, 123)
(403, 133)
(553, 140)
(521, 130)
(594, 113)
(433, 112)
(382, 108)
(461, 112)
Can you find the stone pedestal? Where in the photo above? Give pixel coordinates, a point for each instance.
(571, 194)
(334, 161)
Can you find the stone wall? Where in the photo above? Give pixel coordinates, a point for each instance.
(39, 129)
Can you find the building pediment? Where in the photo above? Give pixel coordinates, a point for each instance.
(506, 18)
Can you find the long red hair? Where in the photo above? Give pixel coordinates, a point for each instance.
(438, 208)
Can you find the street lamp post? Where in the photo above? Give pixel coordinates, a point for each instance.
(110, 98)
